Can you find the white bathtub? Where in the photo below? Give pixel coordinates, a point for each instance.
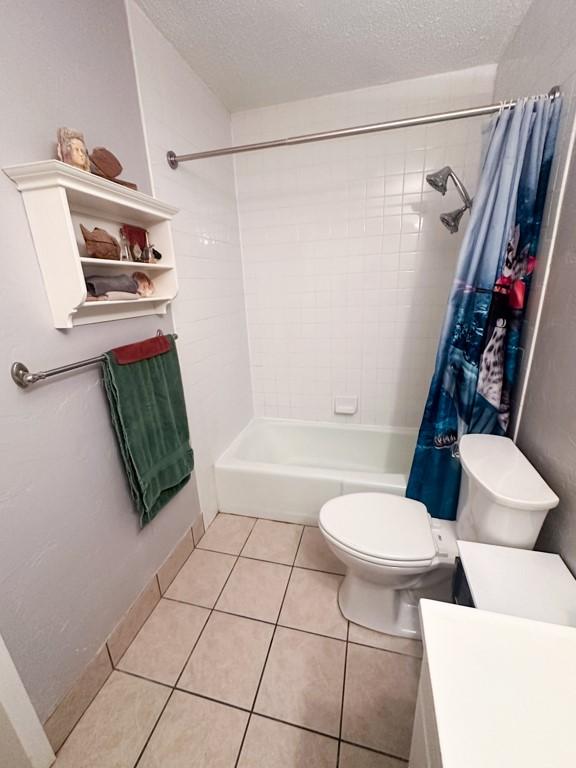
(284, 469)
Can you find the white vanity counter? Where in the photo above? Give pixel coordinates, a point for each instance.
(496, 691)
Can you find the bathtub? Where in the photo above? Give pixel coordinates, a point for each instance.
(284, 469)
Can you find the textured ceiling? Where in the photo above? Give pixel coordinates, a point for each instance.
(258, 52)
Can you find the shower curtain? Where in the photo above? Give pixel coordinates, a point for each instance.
(477, 358)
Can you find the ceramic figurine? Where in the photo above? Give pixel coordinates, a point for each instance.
(125, 254)
(100, 244)
(104, 163)
(72, 149)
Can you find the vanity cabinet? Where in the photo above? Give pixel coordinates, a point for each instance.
(495, 691)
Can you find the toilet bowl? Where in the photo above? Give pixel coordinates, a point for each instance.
(395, 553)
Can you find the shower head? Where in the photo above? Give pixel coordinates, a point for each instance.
(439, 179)
(451, 220)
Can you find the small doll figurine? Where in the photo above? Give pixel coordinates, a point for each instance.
(72, 149)
(145, 285)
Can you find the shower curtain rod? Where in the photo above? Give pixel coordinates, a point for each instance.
(359, 130)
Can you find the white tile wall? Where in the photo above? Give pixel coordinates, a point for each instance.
(347, 267)
(180, 113)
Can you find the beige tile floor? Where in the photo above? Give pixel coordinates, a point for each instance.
(247, 662)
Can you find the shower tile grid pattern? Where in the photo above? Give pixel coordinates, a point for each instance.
(247, 661)
(346, 266)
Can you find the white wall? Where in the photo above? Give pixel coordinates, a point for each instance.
(347, 267)
(180, 113)
(543, 54)
(72, 556)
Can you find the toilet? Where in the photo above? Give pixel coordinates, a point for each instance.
(395, 553)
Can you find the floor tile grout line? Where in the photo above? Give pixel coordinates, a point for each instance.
(301, 727)
(195, 605)
(268, 652)
(205, 623)
(115, 666)
(175, 686)
(204, 696)
(110, 656)
(243, 547)
(375, 751)
(71, 731)
(149, 737)
(143, 677)
(343, 694)
(296, 629)
(275, 625)
(265, 716)
(273, 562)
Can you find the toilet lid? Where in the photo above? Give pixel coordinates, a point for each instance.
(380, 525)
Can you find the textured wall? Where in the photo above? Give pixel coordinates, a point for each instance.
(347, 267)
(542, 54)
(72, 557)
(180, 113)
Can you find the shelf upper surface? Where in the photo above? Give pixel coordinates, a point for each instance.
(134, 302)
(143, 265)
(54, 173)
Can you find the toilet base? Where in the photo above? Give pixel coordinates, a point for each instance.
(392, 611)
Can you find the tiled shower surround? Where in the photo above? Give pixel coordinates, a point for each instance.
(346, 265)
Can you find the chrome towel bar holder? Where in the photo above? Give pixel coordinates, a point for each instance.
(22, 377)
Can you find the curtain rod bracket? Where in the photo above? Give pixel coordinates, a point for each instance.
(172, 160)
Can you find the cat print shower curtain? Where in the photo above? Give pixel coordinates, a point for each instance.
(477, 358)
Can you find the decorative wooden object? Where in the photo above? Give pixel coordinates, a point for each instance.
(100, 244)
(58, 198)
(105, 163)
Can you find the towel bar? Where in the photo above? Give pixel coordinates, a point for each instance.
(23, 378)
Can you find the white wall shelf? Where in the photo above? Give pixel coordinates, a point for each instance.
(123, 265)
(57, 198)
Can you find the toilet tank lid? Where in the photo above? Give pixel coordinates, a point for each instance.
(505, 473)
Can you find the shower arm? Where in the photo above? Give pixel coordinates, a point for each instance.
(466, 199)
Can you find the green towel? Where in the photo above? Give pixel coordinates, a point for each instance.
(148, 412)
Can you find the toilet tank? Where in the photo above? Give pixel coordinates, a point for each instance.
(503, 499)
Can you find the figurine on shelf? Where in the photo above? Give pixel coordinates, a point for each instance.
(104, 163)
(137, 238)
(125, 254)
(145, 285)
(100, 244)
(105, 287)
(72, 148)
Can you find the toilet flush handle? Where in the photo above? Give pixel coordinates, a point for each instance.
(455, 450)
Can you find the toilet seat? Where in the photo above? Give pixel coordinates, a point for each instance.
(381, 561)
(380, 528)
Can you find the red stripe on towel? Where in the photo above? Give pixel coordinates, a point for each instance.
(141, 350)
